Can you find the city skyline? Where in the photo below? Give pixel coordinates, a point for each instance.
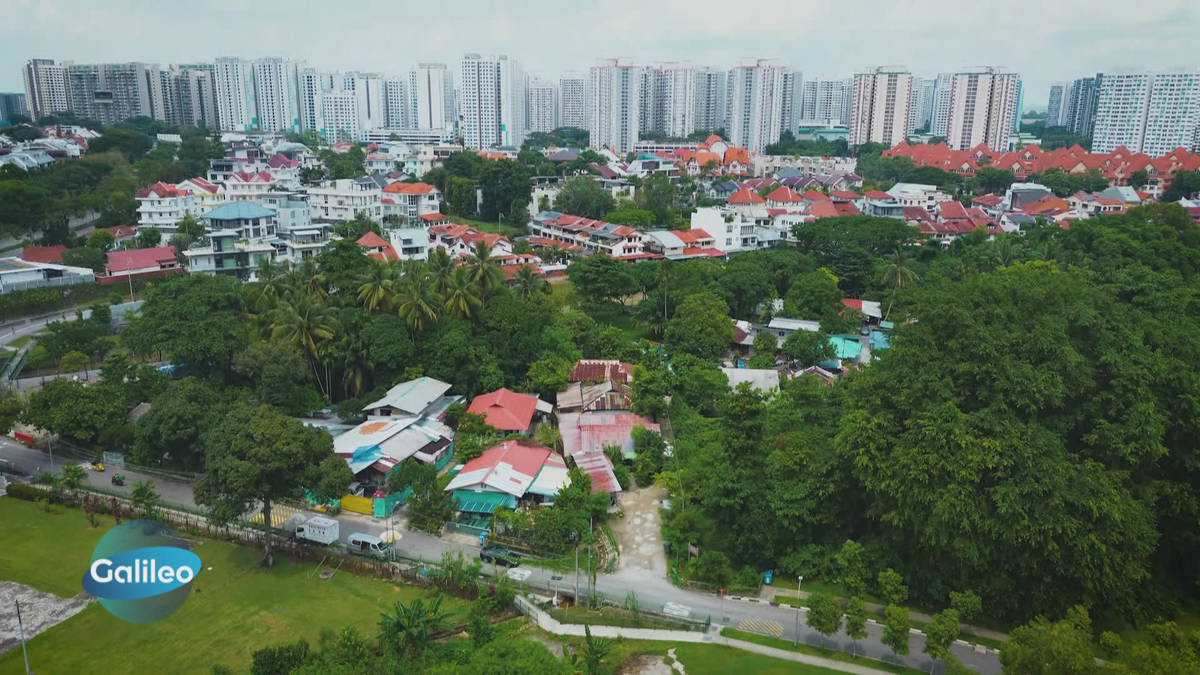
(1074, 38)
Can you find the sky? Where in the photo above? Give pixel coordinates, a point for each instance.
(1044, 40)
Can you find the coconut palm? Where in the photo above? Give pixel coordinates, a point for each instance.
(408, 627)
(441, 266)
(144, 498)
(270, 284)
(899, 269)
(73, 477)
(378, 290)
(1005, 251)
(305, 324)
(418, 302)
(461, 297)
(357, 364)
(527, 282)
(306, 279)
(485, 271)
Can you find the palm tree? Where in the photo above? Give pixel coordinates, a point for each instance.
(441, 266)
(73, 477)
(899, 269)
(418, 302)
(485, 271)
(306, 279)
(527, 282)
(408, 628)
(144, 498)
(378, 290)
(305, 324)
(594, 650)
(270, 284)
(356, 365)
(1005, 251)
(461, 296)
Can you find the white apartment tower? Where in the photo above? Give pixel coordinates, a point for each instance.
(827, 100)
(614, 98)
(572, 96)
(492, 102)
(431, 95)
(1147, 112)
(112, 92)
(710, 99)
(194, 95)
(916, 103)
(755, 98)
(237, 106)
(46, 90)
(339, 113)
(984, 104)
(668, 99)
(793, 100)
(882, 97)
(941, 103)
(395, 102)
(514, 103)
(277, 89)
(1056, 109)
(542, 114)
(313, 85)
(368, 92)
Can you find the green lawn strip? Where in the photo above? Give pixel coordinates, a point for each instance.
(701, 659)
(485, 226)
(969, 637)
(611, 616)
(562, 294)
(21, 341)
(831, 654)
(235, 609)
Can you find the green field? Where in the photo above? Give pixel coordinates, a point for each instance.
(707, 659)
(485, 226)
(236, 608)
(786, 645)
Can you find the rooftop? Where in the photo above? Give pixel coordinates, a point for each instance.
(240, 210)
(506, 410)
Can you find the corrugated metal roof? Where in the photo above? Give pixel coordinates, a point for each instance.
(587, 432)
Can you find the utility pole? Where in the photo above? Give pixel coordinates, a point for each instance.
(591, 590)
(21, 632)
(575, 537)
(797, 642)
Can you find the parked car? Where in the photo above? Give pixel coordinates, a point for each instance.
(500, 556)
(365, 544)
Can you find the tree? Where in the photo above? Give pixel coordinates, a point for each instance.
(1138, 179)
(856, 620)
(145, 499)
(11, 406)
(528, 282)
(279, 376)
(85, 256)
(1044, 648)
(549, 376)
(176, 422)
(73, 362)
(260, 455)
(899, 270)
(941, 632)
(101, 240)
(967, 604)
(72, 478)
(824, 615)
(518, 214)
(461, 295)
(147, 237)
(852, 569)
(460, 196)
(196, 318)
(807, 348)
(485, 270)
(1184, 184)
(378, 289)
(408, 628)
(74, 411)
(895, 629)
(766, 343)
(813, 295)
(502, 183)
(994, 180)
(514, 657)
(602, 279)
(584, 197)
(891, 587)
(701, 327)
(304, 325)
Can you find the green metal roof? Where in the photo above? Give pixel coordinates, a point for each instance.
(239, 211)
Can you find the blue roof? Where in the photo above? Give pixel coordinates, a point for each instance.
(239, 211)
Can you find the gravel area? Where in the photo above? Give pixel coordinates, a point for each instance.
(39, 611)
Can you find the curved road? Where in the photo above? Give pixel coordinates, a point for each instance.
(651, 588)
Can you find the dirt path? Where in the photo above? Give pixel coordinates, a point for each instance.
(639, 534)
(39, 611)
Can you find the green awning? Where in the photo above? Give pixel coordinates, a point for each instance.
(478, 507)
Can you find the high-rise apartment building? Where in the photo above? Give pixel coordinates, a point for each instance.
(277, 90)
(882, 98)
(1056, 108)
(12, 104)
(827, 100)
(755, 98)
(339, 113)
(926, 114)
(984, 105)
(542, 108)
(916, 103)
(940, 118)
(1081, 105)
(711, 98)
(46, 88)
(668, 99)
(237, 105)
(492, 102)
(368, 90)
(431, 95)
(1148, 112)
(313, 85)
(395, 102)
(113, 92)
(572, 96)
(193, 96)
(793, 100)
(614, 105)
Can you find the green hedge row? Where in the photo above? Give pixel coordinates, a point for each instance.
(27, 492)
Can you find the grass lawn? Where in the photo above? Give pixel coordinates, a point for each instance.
(611, 616)
(235, 609)
(562, 294)
(786, 645)
(705, 659)
(21, 341)
(625, 322)
(485, 226)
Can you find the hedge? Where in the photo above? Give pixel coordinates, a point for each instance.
(28, 492)
(21, 304)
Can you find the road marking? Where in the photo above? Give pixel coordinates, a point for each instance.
(676, 609)
(773, 628)
(518, 575)
(279, 516)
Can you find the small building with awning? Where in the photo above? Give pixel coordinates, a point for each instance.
(506, 474)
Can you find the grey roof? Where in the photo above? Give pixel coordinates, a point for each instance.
(241, 210)
(725, 185)
(412, 397)
(788, 173)
(1020, 218)
(760, 379)
(667, 239)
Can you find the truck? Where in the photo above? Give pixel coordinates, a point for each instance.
(317, 529)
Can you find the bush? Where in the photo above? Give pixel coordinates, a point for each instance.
(27, 492)
(1110, 643)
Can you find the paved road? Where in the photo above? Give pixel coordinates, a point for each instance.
(651, 588)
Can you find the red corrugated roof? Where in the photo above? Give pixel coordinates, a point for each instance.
(140, 258)
(691, 236)
(506, 410)
(371, 240)
(43, 254)
(600, 370)
(745, 196)
(410, 188)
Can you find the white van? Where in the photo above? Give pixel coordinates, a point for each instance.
(318, 529)
(365, 544)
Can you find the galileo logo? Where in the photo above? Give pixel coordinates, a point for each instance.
(141, 571)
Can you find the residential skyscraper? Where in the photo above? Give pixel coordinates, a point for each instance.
(916, 103)
(194, 95)
(1056, 109)
(793, 99)
(941, 104)
(46, 88)
(756, 92)
(395, 102)
(1081, 107)
(277, 90)
(572, 96)
(668, 99)
(711, 98)
(827, 100)
(431, 95)
(926, 115)
(12, 104)
(492, 102)
(237, 105)
(339, 112)
(882, 98)
(113, 92)
(614, 97)
(542, 112)
(313, 85)
(1148, 112)
(514, 103)
(368, 90)
(984, 105)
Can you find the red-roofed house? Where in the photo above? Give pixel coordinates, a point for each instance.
(619, 241)
(412, 200)
(377, 247)
(507, 473)
(245, 185)
(1094, 205)
(122, 234)
(824, 209)
(457, 240)
(844, 196)
(847, 209)
(697, 237)
(783, 197)
(139, 263)
(879, 195)
(745, 197)
(509, 411)
(43, 254)
(814, 196)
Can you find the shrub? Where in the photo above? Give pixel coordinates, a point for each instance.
(1110, 643)
(27, 492)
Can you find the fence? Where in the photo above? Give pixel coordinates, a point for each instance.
(69, 451)
(383, 507)
(363, 505)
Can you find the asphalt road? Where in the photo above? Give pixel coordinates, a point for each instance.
(652, 589)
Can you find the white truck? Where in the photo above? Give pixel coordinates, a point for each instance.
(317, 529)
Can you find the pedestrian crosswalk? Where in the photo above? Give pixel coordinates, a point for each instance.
(773, 628)
(279, 515)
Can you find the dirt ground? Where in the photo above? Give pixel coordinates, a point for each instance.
(639, 533)
(39, 611)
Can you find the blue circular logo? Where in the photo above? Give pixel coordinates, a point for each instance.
(141, 571)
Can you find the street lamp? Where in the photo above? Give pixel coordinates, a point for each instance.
(797, 642)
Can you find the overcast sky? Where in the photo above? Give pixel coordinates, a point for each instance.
(1043, 40)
